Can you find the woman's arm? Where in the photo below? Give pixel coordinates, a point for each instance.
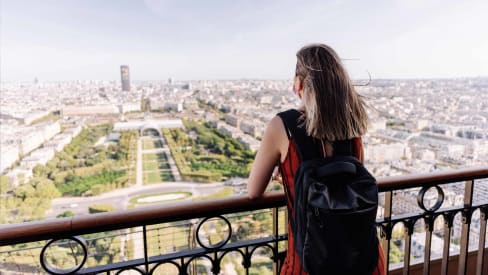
(267, 157)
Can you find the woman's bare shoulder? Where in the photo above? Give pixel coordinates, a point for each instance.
(278, 132)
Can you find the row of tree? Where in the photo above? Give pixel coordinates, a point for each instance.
(80, 169)
(29, 201)
(211, 154)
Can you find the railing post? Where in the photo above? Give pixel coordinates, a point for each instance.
(247, 261)
(276, 266)
(144, 234)
(409, 225)
(481, 246)
(429, 227)
(448, 221)
(385, 242)
(466, 223)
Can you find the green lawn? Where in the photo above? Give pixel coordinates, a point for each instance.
(213, 156)
(157, 177)
(147, 157)
(156, 168)
(159, 157)
(147, 144)
(154, 165)
(151, 144)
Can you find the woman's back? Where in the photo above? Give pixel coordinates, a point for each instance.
(288, 168)
(331, 111)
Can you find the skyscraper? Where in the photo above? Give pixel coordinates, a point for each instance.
(125, 77)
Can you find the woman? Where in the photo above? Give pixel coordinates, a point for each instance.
(330, 111)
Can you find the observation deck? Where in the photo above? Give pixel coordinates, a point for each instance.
(240, 236)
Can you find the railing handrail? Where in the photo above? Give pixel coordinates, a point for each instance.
(85, 224)
(78, 225)
(432, 178)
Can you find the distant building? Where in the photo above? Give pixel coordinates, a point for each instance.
(166, 105)
(232, 120)
(266, 99)
(40, 156)
(190, 104)
(421, 124)
(29, 141)
(423, 154)
(32, 116)
(252, 128)
(58, 142)
(173, 106)
(147, 124)
(130, 107)
(125, 77)
(377, 124)
(249, 143)
(48, 130)
(385, 152)
(77, 110)
(229, 130)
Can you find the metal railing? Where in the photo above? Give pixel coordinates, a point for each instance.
(238, 233)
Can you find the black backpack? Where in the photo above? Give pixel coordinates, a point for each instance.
(335, 206)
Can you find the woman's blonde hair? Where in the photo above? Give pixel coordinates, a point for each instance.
(333, 109)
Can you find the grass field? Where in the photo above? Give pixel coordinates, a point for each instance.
(157, 156)
(154, 165)
(146, 157)
(156, 168)
(157, 177)
(151, 144)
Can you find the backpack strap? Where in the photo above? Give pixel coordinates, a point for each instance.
(290, 121)
(308, 147)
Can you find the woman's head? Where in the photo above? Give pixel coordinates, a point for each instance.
(333, 109)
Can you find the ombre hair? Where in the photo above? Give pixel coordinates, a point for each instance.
(333, 109)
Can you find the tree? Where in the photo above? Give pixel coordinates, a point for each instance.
(59, 178)
(4, 184)
(63, 165)
(46, 189)
(396, 255)
(24, 191)
(97, 189)
(39, 171)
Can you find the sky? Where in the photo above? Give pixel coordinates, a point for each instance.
(55, 40)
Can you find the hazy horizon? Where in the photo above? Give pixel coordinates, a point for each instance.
(137, 81)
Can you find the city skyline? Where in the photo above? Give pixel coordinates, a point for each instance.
(75, 148)
(71, 40)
